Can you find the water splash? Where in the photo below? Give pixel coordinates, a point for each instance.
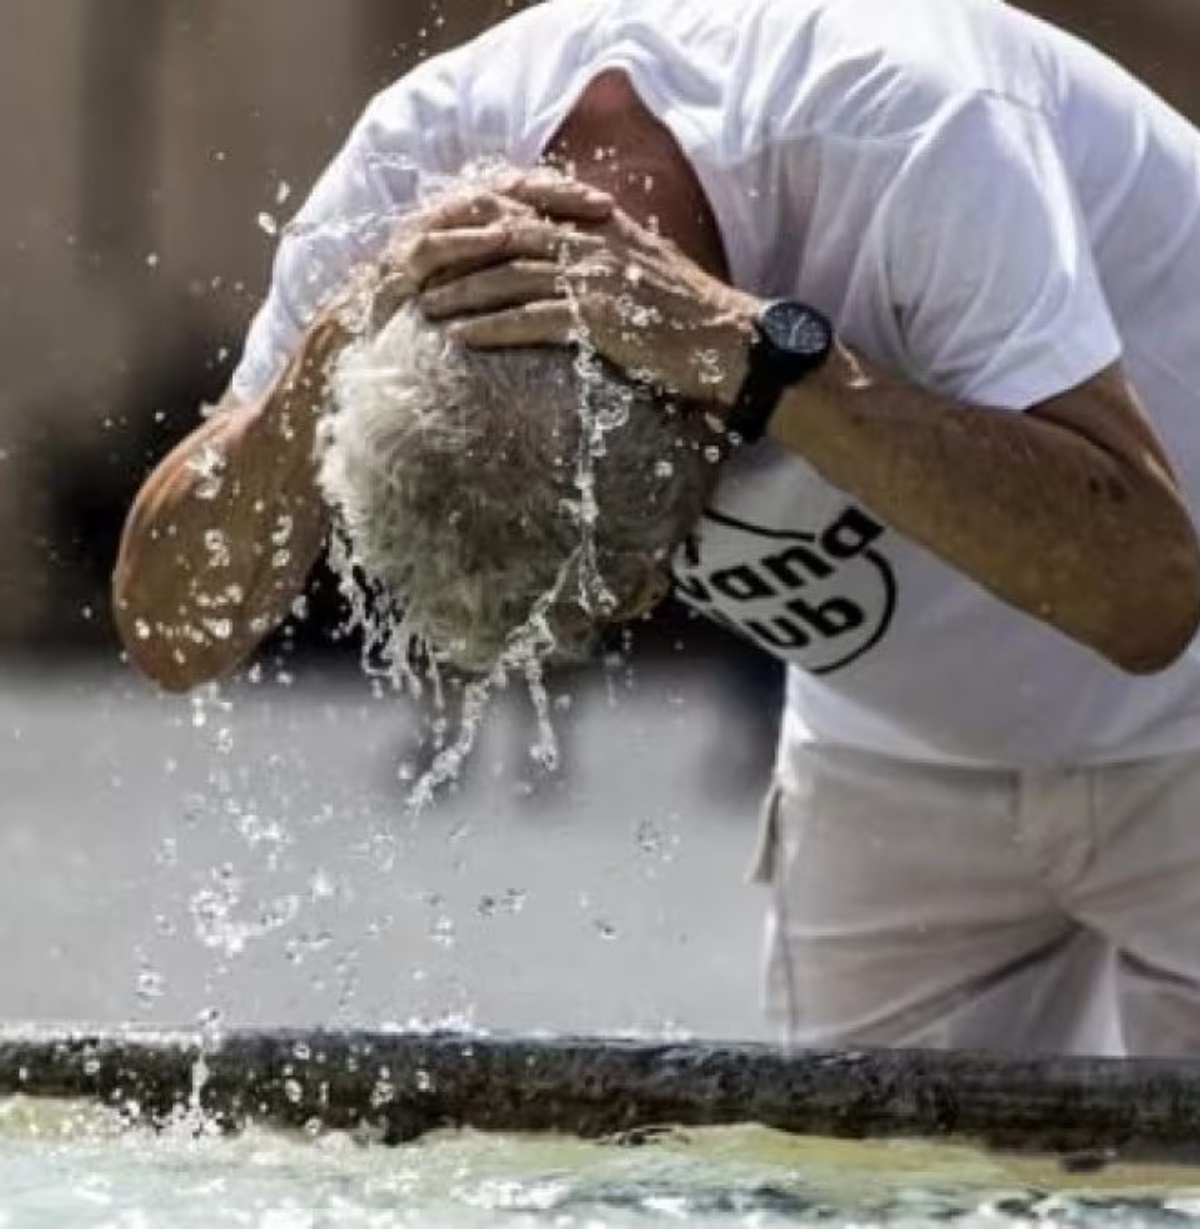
(396, 653)
(208, 463)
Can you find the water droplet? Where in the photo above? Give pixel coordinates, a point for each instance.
(321, 886)
(649, 837)
(710, 368)
(267, 224)
(209, 1018)
(442, 931)
(217, 545)
(219, 629)
(151, 985)
(383, 1093)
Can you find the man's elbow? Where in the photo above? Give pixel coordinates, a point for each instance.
(175, 657)
(174, 671)
(1164, 617)
(174, 665)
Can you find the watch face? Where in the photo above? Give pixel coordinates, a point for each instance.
(796, 328)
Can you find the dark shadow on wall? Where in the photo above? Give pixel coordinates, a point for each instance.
(85, 480)
(120, 112)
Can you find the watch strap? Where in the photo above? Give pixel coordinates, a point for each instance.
(757, 397)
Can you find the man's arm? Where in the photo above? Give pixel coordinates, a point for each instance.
(224, 532)
(1067, 511)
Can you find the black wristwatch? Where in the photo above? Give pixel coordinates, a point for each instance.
(791, 341)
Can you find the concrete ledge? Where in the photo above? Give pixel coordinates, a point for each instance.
(405, 1084)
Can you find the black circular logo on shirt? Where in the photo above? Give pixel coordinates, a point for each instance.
(818, 600)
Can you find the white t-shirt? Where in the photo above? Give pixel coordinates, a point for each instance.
(980, 203)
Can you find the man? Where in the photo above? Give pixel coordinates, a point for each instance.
(960, 499)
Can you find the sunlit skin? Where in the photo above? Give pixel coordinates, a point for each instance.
(1067, 511)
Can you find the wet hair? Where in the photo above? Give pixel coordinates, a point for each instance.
(481, 491)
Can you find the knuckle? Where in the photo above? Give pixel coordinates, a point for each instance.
(419, 248)
(513, 233)
(491, 204)
(443, 213)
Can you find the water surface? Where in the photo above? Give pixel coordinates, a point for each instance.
(66, 1166)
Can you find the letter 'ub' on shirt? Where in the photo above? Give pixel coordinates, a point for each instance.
(981, 203)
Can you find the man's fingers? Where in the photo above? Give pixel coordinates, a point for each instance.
(526, 193)
(388, 295)
(553, 323)
(556, 196)
(473, 209)
(437, 255)
(507, 285)
(461, 211)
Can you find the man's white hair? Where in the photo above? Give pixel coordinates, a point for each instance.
(482, 491)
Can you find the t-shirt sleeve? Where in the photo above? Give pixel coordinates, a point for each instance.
(989, 265)
(406, 134)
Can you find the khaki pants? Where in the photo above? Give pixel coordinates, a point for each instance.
(916, 905)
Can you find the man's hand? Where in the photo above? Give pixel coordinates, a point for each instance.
(455, 235)
(614, 285)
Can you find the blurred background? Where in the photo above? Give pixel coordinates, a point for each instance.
(247, 851)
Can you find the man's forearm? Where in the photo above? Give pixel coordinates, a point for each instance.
(1045, 518)
(222, 535)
